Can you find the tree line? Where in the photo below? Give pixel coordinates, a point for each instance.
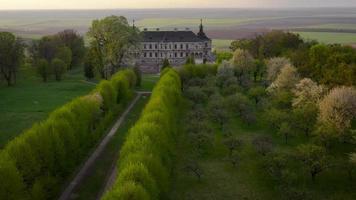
(146, 158)
(36, 163)
(111, 41)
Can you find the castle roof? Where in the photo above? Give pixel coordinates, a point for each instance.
(171, 36)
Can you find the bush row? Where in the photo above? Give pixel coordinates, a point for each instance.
(146, 156)
(35, 164)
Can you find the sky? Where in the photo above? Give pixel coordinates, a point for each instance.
(117, 4)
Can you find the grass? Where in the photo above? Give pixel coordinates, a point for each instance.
(330, 38)
(192, 22)
(93, 185)
(31, 100)
(221, 45)
(249, 179)
(148, 82)
(333, 26)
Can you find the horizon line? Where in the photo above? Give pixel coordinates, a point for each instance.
(179, 8)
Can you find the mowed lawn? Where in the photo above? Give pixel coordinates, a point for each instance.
(330, 38)
(31, 100)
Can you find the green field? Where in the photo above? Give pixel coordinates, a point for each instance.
(330, 38)
(31, 100)
(194, 22)
(222, 45)
(148, 82)
(333, 26)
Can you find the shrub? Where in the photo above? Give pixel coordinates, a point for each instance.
(108, 93)
(145, 158)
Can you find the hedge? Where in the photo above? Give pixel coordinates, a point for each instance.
(145, 160)
(35, 164)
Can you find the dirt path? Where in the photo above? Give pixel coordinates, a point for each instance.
(66, 195)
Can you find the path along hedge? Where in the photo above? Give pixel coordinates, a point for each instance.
(36, 163)
(146, 157)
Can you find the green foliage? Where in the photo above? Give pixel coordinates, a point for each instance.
(221, 56)
(59, 67)
(65, 54)
(72, 40)
(128, 191)
(111, 40)
(165, 64)
(138, 74)
(190, 60)
(89, 70)
(44, 69)
(11, 55)
(145, 158)
(36, 163)
(188, 72)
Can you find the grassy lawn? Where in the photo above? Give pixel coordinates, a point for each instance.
(148, 82)
(93, 185)
(329, 38)
(31, 100)
(221, 45)
(249, 179)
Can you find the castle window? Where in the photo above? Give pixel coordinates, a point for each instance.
(150, 46)
(156, 47)
(156, 55)
(175, 55)
(145, 55)
(175, 46)
(181, 46)
(150, 55)
(187, 46)
(144, 46)
(181, 54)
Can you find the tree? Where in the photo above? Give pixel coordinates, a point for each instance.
(286, 80)
(314, 158)
(113, 38)
(43, 69)
(45, 48)
(11, 55)
(225, 72)
(75, 43)
(274, 66)
(286, 130)
(65, 54)
(338, 109)
(232, 143)
(307, 92)
(352, 164)
(305, 117)
(262, 144)
(190, 60)
(257, 93)
(59, 68)
(217, 111)
(138, 74)
(89, 69)
(165, 64)
(243, 64)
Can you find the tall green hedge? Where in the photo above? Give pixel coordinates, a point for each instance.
(146, 157)
(35, 164)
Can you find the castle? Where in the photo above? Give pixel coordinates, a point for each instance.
(176, 46)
